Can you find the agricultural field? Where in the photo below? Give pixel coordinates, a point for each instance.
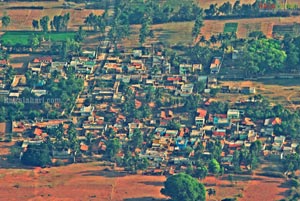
(22, 37)
(21, 19)
(230, 27)
(180, 32)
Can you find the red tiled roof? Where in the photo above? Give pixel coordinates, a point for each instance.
(201, 112)
(218, 133)
(38, 131)
(84, 147)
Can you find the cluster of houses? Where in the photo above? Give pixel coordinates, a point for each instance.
(105, 73)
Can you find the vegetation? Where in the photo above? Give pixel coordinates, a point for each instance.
(230, 27)
(36, 155)
(190, 189)
(13, 38)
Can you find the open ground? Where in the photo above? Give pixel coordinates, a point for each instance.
(91, 182)
(279, 91)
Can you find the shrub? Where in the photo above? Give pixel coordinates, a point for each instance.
(59, 162)
(294, 183)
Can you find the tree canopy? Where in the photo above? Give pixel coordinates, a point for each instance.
(184, 187)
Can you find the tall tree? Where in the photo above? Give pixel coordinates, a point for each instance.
(112, 148)
(198, 25)
(35, 24)
(44, 22)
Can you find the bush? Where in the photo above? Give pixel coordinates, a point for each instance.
(59, 162)
(295, 183)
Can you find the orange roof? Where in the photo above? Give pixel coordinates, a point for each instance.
(216, 61)
(201, 112)
(276, 121)
(138, 104)
(163, 114)
(38, 131)
(84, 147)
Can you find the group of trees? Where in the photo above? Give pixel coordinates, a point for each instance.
(167, 11)
(59, 97)
(271, 57)
(237, 9)
(58, 23)
(40, 154)
(97, 22)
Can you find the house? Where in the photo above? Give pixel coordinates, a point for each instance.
(39, 92)
(248, 90)
(233, 114)
(87, 110)
(89, 54)
(44, 60)
(35, 67)
(187, 89)
(3, 63)
(225, 89)
(272, 121)
(215, 65)
(57, 66)
(181, 142)
(235, 54)
(219, 133)
(200, 117)
(166, 115)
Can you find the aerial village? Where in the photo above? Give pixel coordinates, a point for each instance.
(122, 98)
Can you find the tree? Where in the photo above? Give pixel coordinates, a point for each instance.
(201, 172)
(184, 187)
(80, 35)
(211, 192)
(198, 25)
(44, 22)
(112, 148)
(214, 167)
(226, 8)
(37, 155)
(212, 10)
(5, 21)
(136, 139)
(35, 24)
(34, 41)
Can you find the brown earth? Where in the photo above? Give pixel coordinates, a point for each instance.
(77, 182)
(279, 91)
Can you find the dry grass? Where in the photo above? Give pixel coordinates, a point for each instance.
(180, 32)
(22, 19)
(285, 92)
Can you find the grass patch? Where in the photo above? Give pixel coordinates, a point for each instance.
(230, 27)
(22, 37)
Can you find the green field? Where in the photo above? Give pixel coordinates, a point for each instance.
(230, 27)
(22, 37)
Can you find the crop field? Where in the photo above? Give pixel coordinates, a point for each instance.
(21, 19)
(22, 37)
(180, 32)
(230, 27)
